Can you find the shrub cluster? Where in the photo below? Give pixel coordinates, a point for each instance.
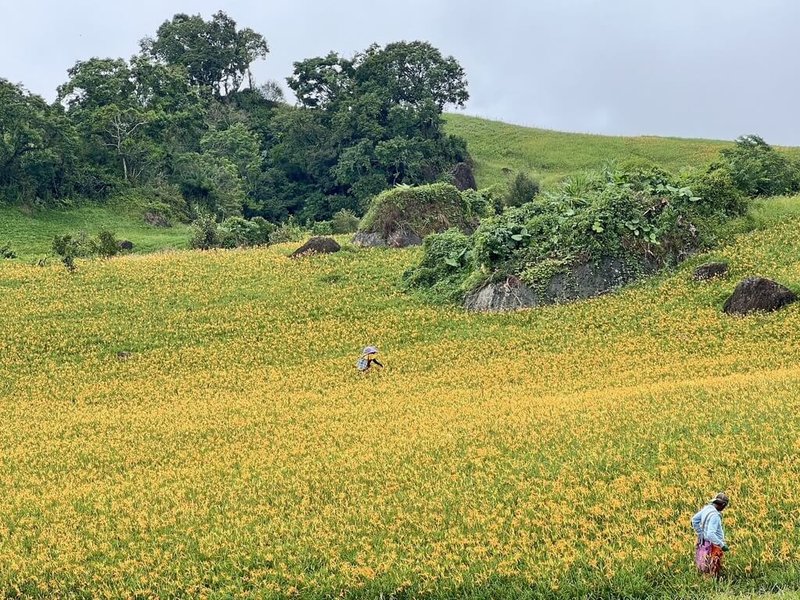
(82, 245)
(6, 252)
(757, 169)
(445, 264)
(639, 213)
(233, 232)
(343, 221)
(521, 190)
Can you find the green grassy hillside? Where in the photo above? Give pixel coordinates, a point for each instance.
(30, 232)
(500, 149)
(191, 424)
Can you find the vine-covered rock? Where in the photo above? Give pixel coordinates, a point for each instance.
(564, 283)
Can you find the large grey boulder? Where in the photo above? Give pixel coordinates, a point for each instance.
(580, 281)
(463, 177)
(403, 238)
(591, 278)
(502, 296)
(758, 294)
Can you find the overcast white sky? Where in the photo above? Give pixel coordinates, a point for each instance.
(692, 68)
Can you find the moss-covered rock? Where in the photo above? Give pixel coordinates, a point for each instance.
(404, 215)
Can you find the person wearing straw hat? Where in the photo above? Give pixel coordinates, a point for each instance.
(711, 546)
(368, 357)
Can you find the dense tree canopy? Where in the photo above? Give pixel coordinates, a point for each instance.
(184, 119)
(37, 147)
(375, 121)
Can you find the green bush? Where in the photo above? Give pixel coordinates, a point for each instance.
(79, 245)
(6, 252)
(69, 248)
(521, 190)
(718, 191)
(758, 169)
(161, 198)
(205, 232)
(288, 231)
(446, 263)
(344, 221)
(236, 232)
(265, 229)
(480, 203)
(322, 228)
(106, 244)
(233, 232)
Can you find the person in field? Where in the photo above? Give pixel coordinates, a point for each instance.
(711, 546)
(367, 359)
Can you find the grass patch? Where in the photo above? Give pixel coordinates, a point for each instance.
(30, 232)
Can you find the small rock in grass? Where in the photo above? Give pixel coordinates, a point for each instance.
(758, 294)
(318, 245)
(710, 271)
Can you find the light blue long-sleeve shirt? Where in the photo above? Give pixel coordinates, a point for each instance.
(712, 530)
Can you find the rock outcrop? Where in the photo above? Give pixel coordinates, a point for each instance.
(404, 215)
(580, 281)
(463, 177)
(369, 240)
(502, 296)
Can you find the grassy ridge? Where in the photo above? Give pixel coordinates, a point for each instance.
(500, 149)
(236, 452)
(30, 232)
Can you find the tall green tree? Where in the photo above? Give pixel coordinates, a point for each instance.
(37, 147)
(215, 54)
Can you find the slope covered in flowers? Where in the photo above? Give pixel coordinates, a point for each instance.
(234, 451)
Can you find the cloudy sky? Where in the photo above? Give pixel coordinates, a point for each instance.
(691, 68)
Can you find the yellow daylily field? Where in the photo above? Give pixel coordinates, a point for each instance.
(191, 424)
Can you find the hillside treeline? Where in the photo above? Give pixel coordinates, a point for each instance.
(183, 124)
